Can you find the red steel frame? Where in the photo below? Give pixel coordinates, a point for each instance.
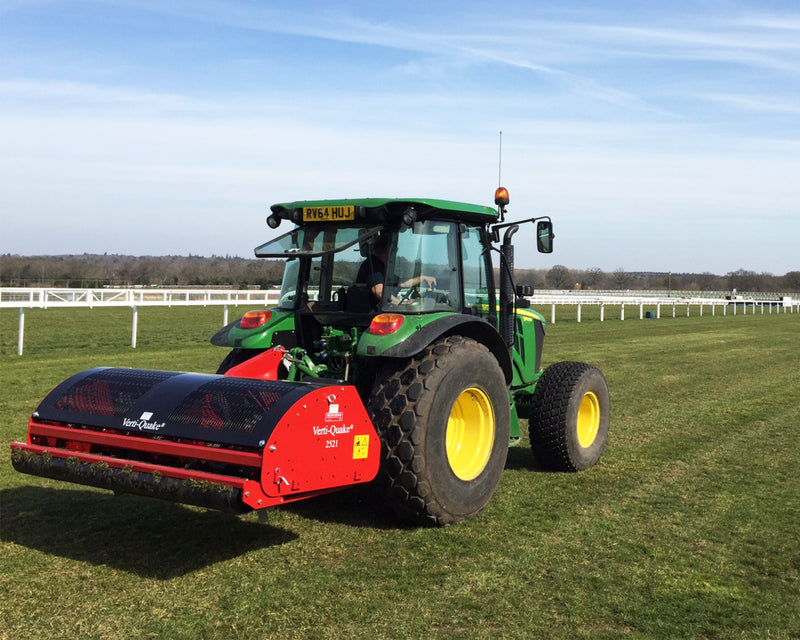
(252, 494)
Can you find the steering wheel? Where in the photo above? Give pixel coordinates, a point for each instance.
(413, 292)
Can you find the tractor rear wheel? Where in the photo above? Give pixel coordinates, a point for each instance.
(568, 421)
(443, 417)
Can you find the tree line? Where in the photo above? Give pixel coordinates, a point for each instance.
(96, 271)
(561, 277)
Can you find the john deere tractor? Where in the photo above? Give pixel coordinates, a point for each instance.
(392, 352)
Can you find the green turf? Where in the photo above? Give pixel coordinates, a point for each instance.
(688, 527)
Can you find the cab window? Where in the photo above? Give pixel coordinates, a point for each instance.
(476, 280)
(422, 274)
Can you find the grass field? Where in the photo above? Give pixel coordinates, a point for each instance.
(688, 527)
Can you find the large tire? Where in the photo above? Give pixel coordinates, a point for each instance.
(237, 357)
(443, 417)
(568, 421)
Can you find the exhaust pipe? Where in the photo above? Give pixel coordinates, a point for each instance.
(507, 297)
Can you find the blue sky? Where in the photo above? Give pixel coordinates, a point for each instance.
(658, 136)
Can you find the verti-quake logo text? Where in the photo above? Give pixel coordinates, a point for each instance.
(143, 423)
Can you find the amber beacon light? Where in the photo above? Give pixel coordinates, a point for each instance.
(501, 197)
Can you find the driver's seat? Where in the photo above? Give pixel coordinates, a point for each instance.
(358, 298)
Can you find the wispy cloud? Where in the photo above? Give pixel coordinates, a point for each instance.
(65, 92)
(754, 104)
(566, 52)
(783, 22)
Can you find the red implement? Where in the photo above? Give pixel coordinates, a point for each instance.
(222, 442)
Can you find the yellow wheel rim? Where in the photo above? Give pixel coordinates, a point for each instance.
(588, 419)
(470, 434)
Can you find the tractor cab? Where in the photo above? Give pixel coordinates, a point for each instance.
(340, 277)
(348, 273)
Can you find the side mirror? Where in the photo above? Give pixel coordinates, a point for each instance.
(544, 236)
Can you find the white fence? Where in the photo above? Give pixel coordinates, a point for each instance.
(26, 298)
(44, 298)
(744, 304)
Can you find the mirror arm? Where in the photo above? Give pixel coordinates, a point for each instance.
(496, 227)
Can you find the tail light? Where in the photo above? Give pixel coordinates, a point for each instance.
(386, 323)
(254, 319)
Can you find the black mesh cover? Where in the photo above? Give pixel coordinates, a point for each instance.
(167, 404)
(228, 403)
(101, 394)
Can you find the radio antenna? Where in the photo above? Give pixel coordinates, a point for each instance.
(500, 163)
(501, 194)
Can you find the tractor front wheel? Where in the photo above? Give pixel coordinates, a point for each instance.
(443, 418)
(569, 413)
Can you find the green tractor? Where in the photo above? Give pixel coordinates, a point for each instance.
(398, 297)
(392, 353)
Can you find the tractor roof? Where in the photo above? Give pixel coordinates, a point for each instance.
(381, 210)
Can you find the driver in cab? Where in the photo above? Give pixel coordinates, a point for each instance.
(373, 272)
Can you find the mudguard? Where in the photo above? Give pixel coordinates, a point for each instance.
(421, 330)
(279, 329)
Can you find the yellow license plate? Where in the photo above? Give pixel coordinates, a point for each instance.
(329, 214)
